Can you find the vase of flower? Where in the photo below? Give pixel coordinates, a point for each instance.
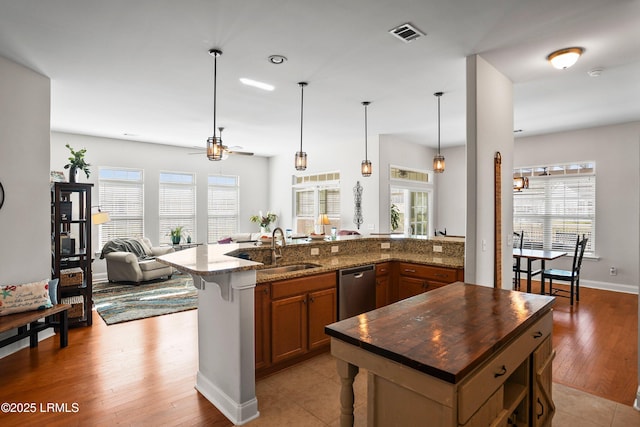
(264, 221)
(77, 163)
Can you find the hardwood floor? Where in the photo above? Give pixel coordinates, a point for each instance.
(143, 372)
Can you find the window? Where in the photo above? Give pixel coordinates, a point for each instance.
(314, 195)
(558, 206)
(223, 206)
(411, 194)
(177, 195)
(122, 195)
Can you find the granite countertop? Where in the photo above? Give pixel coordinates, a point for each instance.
(208, 260)
(446, 332)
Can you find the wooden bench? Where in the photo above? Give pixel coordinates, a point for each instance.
(28, 324)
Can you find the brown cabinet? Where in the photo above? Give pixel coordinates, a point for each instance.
(263, 325)
(414, 279)
(542, 402)
(383, 279)
(300, 309)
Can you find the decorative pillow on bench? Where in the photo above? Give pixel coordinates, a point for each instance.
(25, 297)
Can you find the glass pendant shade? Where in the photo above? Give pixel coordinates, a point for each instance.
(214, 148)
(301, 160)
(438, 159)
(438, 163)
(366, 168)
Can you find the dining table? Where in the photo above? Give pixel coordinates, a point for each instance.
(532, 255)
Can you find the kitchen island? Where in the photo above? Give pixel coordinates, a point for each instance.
(461, 355)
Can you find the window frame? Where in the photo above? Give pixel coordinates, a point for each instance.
(168, 220)
(211, 216)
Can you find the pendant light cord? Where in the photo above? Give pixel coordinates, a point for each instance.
(215, 80)
(302, 85)
(366, 157)
(438, 94)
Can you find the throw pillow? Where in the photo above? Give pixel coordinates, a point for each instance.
(53, 291)
(25, 297)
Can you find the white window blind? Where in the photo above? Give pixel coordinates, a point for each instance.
(223, 206)
(122, 196)
(555, 210)
(177, 196)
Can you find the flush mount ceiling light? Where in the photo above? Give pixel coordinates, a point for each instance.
(438, 159)
(301, 156)
(565, 58)
(215, 149)
(255, 83)
(365, 168)
(277, 59)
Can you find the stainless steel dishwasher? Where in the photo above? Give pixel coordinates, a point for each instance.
(356, 291)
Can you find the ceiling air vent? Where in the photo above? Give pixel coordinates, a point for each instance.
(406, 32)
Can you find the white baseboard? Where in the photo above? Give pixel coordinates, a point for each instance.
(23, 343)
(99, 277)
(607, 286)
(636, 403)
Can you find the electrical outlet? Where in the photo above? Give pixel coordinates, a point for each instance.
(385, 245)
(315, 251)
(372, 227)
(613, 271)
(437, 248)
(335, 249)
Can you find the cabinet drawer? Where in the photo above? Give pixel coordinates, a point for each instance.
(383, 268)
(439, 274)
(302, 285)
(492, 374)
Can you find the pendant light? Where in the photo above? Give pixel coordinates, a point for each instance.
(214, 144)
(301, 156)
(438, 159)
(365, 168)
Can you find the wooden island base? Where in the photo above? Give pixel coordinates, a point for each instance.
(494, 370)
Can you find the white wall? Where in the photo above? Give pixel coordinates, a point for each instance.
(154, 158)
(451, 192)
(489, 130)
(616, 150)
(24, 172)
(344, 156)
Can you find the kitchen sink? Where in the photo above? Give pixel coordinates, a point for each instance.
(287, 268)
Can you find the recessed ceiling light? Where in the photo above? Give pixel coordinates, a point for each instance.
(277, 59)
(259, 85)
(565, 58)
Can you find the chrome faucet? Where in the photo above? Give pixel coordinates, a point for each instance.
(276, 255)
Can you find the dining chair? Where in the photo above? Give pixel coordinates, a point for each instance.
(518, 238)
(572, 276)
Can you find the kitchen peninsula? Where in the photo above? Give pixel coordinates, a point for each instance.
(238, 323)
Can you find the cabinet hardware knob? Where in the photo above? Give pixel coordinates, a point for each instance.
(537, 334)
(266, 291)
(409, 270)
(541, 409)
(311, 299)
(304, 301)
(503, 371)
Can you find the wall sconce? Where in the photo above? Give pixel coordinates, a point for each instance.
(520, 183)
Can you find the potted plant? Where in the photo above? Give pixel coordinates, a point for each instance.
(264, 221)
(176, 234)
(76, 163)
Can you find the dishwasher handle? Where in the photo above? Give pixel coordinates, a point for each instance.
(358, 275)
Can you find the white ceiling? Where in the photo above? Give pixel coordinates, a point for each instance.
(140, 70)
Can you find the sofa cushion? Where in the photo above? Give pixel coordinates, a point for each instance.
(24, 297)
(151, 264)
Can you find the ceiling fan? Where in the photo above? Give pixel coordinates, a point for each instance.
(229, 150)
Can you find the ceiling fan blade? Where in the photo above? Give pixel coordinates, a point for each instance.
(242, 153)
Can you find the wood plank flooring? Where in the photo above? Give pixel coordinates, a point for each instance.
(143, 372)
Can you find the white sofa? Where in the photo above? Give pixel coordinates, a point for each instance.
(131, 265)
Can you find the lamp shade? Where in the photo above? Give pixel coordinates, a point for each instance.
(323, 219)
(100, 217)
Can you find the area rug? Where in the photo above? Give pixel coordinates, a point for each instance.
(117, 302)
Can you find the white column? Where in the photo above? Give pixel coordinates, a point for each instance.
(226, 371)
(489, 129)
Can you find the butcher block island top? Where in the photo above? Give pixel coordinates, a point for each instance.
(447, 332)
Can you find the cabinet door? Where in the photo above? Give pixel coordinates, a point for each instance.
(262, 326)
(382, 290)
(542, 402)
(322, 312)
(288, 328)
(409, 286)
